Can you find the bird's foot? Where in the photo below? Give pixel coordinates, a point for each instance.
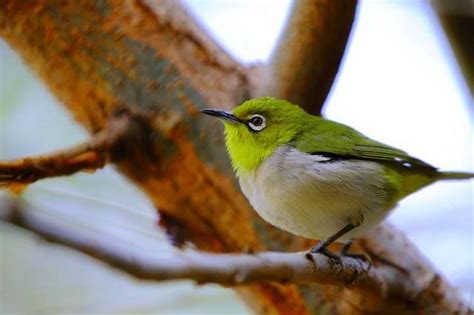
(320, 248)
(345, 253)
(360, 257)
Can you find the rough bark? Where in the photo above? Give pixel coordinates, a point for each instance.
(151, 62)
(308, 54)
(457, 19)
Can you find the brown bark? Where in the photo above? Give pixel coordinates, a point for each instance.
(309, 52)
(457, 19)
(150, 62)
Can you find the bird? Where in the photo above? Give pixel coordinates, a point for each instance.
(318, 178)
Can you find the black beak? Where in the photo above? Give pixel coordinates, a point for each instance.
(221, 114)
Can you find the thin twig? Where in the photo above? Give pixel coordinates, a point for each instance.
(87, 156)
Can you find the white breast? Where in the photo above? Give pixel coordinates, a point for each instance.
(310, 196)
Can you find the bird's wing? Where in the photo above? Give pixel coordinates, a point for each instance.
(382, 152)
(337, 141)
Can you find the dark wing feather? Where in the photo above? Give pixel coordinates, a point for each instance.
(389, 154)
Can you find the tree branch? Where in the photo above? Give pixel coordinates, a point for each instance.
(225, 269)
(154, 59)
(308, 54)
(87, 156)
(381, 281)
(457, 20)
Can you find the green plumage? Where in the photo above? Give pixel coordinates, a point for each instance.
(289, 124)
(314, 177)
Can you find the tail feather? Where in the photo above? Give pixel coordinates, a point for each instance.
(455, 175)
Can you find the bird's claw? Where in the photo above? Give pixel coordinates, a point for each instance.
(360, 257)
(317, 248)
(320, 248)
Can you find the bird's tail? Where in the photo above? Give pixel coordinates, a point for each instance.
(455, 175)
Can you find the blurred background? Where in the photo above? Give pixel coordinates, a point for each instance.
(399, 83)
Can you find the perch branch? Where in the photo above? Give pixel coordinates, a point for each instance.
(382, 281)
(226, 269)
(308, 54)
(87, 156)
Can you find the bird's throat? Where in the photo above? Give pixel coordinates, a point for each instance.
(246, 155)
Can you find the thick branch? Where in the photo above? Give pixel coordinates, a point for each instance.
(154, 59)
(457, 19)
(87, 156)
(309, 52)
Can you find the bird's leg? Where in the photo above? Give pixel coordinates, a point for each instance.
(346, 247)
(321, 247)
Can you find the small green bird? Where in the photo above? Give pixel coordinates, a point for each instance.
(314, 177)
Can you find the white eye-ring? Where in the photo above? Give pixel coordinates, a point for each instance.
(257, 122)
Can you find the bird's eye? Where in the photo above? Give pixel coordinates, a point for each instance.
(257, 122)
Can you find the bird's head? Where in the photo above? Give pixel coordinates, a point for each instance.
(256, 128)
